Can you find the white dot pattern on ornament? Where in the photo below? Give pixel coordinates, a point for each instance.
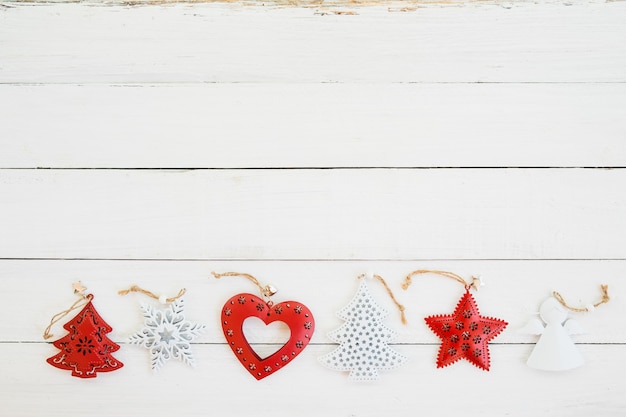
(364, 340)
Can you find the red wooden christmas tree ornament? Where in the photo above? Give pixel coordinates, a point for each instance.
(465, 334)
(86, 350)
(294, 314)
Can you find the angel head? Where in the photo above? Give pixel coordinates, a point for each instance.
(552, 312)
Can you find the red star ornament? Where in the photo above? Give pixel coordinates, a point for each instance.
(465, 334)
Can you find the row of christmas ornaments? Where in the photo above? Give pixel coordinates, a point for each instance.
(363, 339)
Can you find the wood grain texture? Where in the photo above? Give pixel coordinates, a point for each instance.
(307, 147)
(314, 214)
(213, 43)
(313, 125)
(217, 384)
(513, 291)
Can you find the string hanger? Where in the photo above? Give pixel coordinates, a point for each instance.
(590, 307)
(475, 283)
(401, 308)
(83, 300)
(267, 290)
(162, 299)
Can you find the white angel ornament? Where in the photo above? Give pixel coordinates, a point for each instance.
(555, 350)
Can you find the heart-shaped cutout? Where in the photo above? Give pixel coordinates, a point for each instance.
(294, 314)
(265, 339)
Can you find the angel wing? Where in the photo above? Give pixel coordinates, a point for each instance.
(572, 327)
(534, 326)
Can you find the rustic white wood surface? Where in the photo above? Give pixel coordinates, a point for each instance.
(315, 214)
(315, 125)
(210, 43)
(306, 145)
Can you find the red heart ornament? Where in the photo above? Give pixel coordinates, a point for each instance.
(294, 314)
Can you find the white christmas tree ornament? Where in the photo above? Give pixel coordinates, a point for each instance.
(364, 339)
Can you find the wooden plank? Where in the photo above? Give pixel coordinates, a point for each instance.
(416, 388)
(513, 292)
(374, 88)
(313, 125)
(314, 214)
(526, 42)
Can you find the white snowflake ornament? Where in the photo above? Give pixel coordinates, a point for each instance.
(167, 334)
(363, 339)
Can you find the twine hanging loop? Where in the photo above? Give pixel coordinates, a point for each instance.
(401, 308)
(474, 284)
(150, 294)
(267, 290)
(605, 299)
(83, 300)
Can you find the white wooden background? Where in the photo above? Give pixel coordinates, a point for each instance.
(307, 144)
